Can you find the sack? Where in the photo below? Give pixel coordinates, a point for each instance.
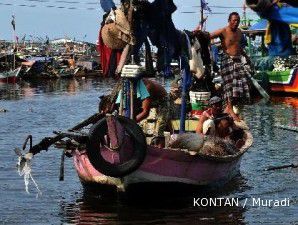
(190, 141)
(117, 34)
(110, 34)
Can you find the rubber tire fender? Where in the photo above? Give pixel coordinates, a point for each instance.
(96, 135)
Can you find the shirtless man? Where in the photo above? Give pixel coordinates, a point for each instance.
(230, 36)
(156, 93)
(233, 73)
(151, 94)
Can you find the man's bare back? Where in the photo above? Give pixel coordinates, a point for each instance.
(155, 90)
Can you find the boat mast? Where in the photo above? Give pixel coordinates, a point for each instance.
(202, 15)
(244, 14)
(186, 82)
(13, 39)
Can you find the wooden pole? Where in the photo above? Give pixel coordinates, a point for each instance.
(14, 43)
(261, 90)
(121, 99)
(244, 14)
(282, 167)
(202, 15)
(61, 175)
(286, 127)
(92, 119)
(14, 54)
(131, 86)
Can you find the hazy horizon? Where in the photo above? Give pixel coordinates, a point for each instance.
(81, 19)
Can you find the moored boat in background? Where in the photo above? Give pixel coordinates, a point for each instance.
(277, 29)
(10, 76)
(284, 81)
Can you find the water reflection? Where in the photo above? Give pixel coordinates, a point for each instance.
(41, 107)
(94, 209)
(59, 86)
(292, 104)
(9, 91)
(264, 117)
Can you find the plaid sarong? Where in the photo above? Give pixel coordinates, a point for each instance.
(234, 77)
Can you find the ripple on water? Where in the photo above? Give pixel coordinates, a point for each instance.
(39, 108)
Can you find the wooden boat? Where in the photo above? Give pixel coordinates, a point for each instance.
(115, 153)
(161, 166)
(285, 81)
(128, 164)
(88, 73)
(10, 76)
(65, 72)
(39, 67)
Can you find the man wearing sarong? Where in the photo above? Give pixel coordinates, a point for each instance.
(233, 72)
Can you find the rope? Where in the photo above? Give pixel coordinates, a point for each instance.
(287, 127)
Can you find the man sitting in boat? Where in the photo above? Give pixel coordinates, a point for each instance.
(213, 121)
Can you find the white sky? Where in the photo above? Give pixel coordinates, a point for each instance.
(45, 18)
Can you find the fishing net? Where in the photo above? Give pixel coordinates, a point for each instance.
(208, 145)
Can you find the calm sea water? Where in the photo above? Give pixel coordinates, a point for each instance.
(39, 108)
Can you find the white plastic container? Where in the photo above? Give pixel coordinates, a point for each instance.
(131, 71)
(196, 97)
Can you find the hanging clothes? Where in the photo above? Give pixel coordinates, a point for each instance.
(140, 25)
(109, 58)
(107, 5)
(162, 32)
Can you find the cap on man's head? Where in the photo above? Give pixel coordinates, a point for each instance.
(214, 100)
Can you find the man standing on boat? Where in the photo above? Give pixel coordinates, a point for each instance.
(233, 72)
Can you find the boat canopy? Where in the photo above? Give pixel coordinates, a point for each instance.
(285, 14)
(259, 26)
(278, 32)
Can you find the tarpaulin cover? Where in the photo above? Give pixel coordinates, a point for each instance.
(261, 25)
(284, 14)
(281, 43)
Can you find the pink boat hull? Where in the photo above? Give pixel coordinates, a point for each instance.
(10, 80)
(164, 166)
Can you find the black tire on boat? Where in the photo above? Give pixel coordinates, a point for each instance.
(96, 135)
